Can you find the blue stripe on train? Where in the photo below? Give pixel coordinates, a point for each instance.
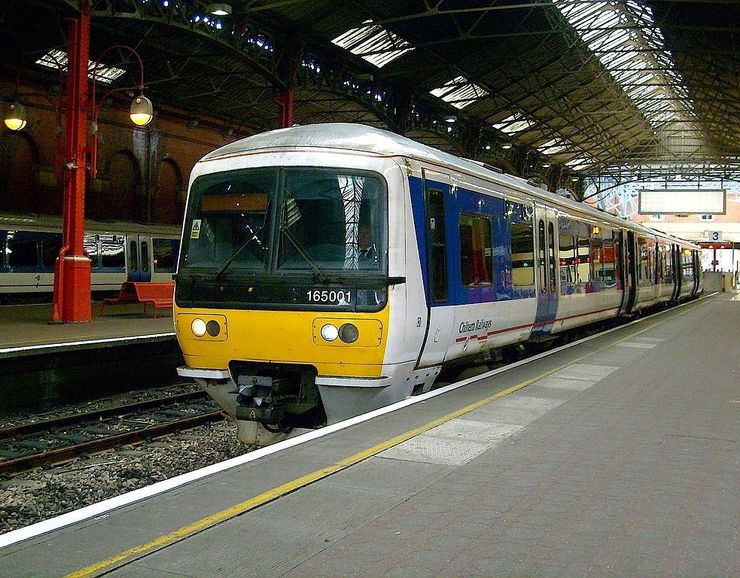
(465, 201)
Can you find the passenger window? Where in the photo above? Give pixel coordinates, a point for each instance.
(566, 254)
(551, 250)
(541, 256)
(164, 250)
(522, 248)
(437, 244)
(112, 253)
(50, 250)
(133, 256)
(145, 256)
(22, 252)
(90, 247)
(476, 251)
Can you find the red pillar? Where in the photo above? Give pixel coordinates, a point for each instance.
(72, 291)
(285, 101)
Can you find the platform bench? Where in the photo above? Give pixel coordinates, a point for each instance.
(158, 294)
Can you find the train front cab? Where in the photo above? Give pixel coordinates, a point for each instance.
(277, 316)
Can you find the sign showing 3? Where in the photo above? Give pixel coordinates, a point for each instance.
(715, 235)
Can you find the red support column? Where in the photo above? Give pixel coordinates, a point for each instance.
(285, 101)
(72, 287)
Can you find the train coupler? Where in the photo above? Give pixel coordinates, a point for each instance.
(258, 399)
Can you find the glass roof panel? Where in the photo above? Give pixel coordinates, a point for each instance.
(623, 35)
(514, 123)
(553, 146)
(459, 92)
(373, 43)
(57, 59)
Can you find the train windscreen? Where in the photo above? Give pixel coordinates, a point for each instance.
(289, 229)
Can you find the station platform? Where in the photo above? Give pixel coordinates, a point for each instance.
(617, 456)
(44, 364)
(28, 328)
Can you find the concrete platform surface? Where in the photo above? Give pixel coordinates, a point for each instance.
(618, 457)
(29, 325)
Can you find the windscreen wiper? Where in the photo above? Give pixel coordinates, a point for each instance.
(320, 275)
(226, 264)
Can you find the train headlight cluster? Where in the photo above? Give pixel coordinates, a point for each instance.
(347, 333)
(200, 327)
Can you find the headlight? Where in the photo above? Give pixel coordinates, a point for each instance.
(329, 332)
(348, 333)
(198, 327)
(213, 328)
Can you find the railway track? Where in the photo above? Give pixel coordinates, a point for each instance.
(57, 440)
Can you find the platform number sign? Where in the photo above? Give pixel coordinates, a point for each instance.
(715, 236)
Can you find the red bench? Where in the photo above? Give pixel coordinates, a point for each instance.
(158, 294)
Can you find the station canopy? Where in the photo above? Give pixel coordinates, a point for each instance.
(594, 87)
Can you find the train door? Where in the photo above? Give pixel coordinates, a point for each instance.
(139, 261)
(440, 313)
(547, 268)
(630, 271)
(676, 271)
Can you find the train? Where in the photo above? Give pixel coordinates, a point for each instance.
(118, 251)
(285, 324)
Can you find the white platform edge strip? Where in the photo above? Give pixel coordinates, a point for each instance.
(57, 346)
(101, 508)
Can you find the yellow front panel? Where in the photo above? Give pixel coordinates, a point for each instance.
(285, 337)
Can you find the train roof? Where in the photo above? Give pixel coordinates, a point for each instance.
(371, 140)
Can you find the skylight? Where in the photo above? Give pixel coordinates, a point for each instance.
(373, 43)
(459, 92)
(514, 124)
(580, 162)
(57, 59)
(553, 146)
(627, 41)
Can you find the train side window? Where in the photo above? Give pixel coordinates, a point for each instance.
(597, 270)
(437, 244)
(164, 250)
(3, 252)
(476, 251)
(541, 255)
(687, 268)
(133, 256)
(583, 256)
(522, 249)
(112, 252)
(50, 250)
(567, 256)
(551, 256)
(90, 248)
(145, 256)
(22, 252)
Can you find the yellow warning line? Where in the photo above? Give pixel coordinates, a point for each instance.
(208, 522)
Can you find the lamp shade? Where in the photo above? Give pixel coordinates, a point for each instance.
(142, 111)
(15, 118)
(219, 8)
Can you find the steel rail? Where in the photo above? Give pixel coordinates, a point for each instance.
(25, 463)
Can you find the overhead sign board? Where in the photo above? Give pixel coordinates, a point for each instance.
(682, 202)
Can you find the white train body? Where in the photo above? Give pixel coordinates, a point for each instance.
(468, 261)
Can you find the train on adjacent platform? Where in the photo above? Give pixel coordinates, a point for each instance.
(327, 270)
(118, 252)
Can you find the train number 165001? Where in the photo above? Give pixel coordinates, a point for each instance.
(329, 296)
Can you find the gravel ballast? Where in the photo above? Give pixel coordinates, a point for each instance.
(42, 494)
